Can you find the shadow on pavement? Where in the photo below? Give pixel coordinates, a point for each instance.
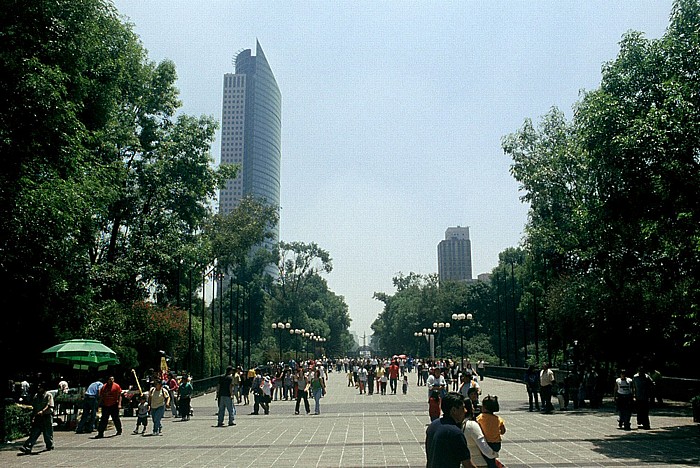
(663, 445)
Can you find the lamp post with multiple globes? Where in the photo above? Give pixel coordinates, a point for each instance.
(281, 327)
(461, 320)
(440, 326)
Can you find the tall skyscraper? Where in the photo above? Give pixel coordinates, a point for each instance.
(455, 255)
(251, 131)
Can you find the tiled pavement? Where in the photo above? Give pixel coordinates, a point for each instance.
(357, 430)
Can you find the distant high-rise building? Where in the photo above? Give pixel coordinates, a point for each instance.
(455, 255)
(251, 132)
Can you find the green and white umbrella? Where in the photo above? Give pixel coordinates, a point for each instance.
(81, 354)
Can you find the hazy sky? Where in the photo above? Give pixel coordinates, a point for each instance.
(393, 112)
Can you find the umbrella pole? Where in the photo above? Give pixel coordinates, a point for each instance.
(138, 384)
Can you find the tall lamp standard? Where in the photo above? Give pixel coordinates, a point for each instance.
(281, 327)
(440, 326)
(429, 334)
(418, 335)
(309, 337)
(316, 339)
(299, 333)
(461, 321)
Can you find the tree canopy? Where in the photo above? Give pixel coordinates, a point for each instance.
(103, 189)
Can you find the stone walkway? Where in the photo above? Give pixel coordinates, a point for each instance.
(369, 431)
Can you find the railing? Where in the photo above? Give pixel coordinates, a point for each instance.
(207, 385)
(670, 388)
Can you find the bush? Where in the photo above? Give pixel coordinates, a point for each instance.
(18, 420)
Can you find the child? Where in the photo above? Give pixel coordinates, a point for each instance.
(473, 395)
(142, 414)
(434, 405)
(492, 426)
(404, 386)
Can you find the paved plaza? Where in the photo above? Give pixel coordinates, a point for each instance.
(356, 431)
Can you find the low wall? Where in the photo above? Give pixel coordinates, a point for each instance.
(671, 388)
(207, 385)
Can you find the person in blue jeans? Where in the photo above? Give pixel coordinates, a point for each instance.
(158, 399)
(88, 421)
(223, 395)
(318, 387)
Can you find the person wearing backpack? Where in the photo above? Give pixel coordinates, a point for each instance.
(532, 383)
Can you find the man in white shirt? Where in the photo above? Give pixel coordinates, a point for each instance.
(481, 368)
(362, 375)
(546, 381)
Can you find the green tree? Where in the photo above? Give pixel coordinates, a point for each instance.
(613, 226)
(103, 191)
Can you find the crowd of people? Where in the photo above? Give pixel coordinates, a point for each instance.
(454, 397)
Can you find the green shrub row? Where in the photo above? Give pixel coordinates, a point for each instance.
(18, 420)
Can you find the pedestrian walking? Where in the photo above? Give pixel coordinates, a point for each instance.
(256, 389)
(88, 420)
(481, 369)
(434, 405)
(623, 400)
(288, 385)
(42, 420)
(173, 389)
(445, 443)
(371, 377)
(224, 394)
(186, 391)
(546, 381)
(278, 385)
(302, 382)
(111, 404)
(393, 377)
(436, 381)
(476, 442)
(493, 426)
(266, 395)
(158, 401)
(318, 388)
(142, 415)
(642, 387)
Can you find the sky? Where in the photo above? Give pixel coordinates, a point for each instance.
(393, 112)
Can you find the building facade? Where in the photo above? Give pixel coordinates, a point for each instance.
(251, 132)
(455, 255)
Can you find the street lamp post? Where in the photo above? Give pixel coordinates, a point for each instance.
(461, 321)
(281, 327)
(309, 336)
(299, 333)
(418, 335)
(318, 339)
(430, 333)
(440, 326)
(220, 277)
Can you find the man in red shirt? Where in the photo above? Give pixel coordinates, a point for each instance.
(111, 403)
(393, 376)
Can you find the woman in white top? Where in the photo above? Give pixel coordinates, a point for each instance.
(623, 399)
(475, 438)
(266, 386)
